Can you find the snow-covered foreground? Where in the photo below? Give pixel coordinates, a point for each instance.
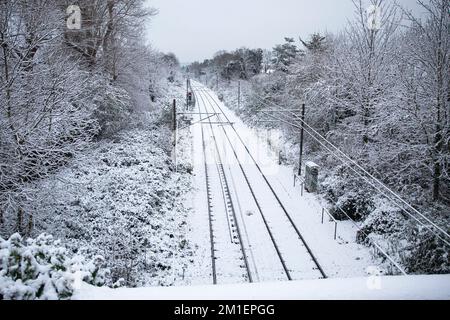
(390, 288)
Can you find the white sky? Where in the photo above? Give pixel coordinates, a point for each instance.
(196, 29)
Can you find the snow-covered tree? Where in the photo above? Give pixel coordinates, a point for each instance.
(43, 114)
(379, 91)
(62, 88)
(284, 54)
(424, 87)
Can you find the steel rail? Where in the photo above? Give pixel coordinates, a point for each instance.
(319, 267)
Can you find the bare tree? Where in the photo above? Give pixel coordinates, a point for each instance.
(426, 87)
(52, 103)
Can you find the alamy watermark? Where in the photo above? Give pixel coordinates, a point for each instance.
(373, 13)
(374, 279)
(373, 17)
(74, 17)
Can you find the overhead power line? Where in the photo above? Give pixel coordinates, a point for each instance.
(311, 130)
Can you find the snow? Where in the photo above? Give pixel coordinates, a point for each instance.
(311, 164)
(43, 269)
(122, 200)
(435, 287)
(339, 258)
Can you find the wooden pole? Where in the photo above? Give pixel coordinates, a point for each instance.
(239, 95)
(174, 115)
(301, 141)
(175, 134)
(187, 94)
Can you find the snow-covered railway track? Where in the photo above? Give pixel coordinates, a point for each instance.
(292, 251)
(228, 259)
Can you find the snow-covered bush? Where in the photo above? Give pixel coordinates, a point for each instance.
(112, 106)
(427, 253)
(384, 220)
(165, 116)
(418, 249)
(356, 205)
(345, 194)
(43, 269)
(123, 201)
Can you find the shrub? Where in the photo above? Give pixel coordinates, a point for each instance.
(43, 269)
(428, 253)
(419, 250)
(112, 107)
(384, 220)
(346, 194)
(356, 205)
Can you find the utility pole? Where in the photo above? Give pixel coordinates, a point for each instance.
(175, 132)
(239, 95)
(187, 94)
(301, 141)
(174, 115)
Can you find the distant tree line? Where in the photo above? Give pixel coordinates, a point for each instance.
(241, 64)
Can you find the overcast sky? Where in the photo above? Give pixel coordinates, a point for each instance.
(196, 29)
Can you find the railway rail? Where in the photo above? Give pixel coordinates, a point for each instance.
(228, 206)
(284, 252)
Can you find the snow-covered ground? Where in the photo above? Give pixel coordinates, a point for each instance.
(254, 202)
(123, 200)
(391, 288)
